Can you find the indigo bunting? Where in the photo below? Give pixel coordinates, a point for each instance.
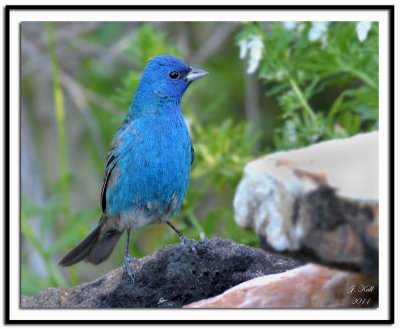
(148, 166)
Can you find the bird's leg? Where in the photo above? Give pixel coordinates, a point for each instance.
(128, 259)
(184, 240)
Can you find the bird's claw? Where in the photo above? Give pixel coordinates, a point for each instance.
(127, 268)
(188, 242)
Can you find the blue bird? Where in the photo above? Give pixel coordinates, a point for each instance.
(148, 166)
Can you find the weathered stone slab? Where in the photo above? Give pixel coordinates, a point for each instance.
(319, 203)
(308, 286)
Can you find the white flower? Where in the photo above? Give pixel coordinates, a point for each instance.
(252, 66)
(362, 29)
(243, 48)
(290, 25)
(318, 29)
(254, 46)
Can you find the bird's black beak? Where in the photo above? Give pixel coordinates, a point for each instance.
(195, 74)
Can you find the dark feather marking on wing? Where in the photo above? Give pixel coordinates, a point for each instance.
(193, 153)
(111, 162)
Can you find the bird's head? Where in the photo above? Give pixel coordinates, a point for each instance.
(168, 77)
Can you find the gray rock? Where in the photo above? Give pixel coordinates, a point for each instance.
(172, 277)
(319, 203)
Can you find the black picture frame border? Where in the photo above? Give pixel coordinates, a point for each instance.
(7, 11)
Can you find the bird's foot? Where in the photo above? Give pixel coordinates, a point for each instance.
(127, 266)
(188, 242)
(184, 240)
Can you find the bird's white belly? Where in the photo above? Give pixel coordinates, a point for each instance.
(136, 218)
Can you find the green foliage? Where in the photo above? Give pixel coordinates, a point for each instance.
(300, 73)
(53, 275)
(60, 117)
(221, 153)
(149, 43)
(60, 206)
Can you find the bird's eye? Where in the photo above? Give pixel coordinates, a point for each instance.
(174, 75)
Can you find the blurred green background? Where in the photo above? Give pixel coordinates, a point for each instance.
(272, 86)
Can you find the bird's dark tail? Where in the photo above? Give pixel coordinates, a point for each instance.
(95, 248)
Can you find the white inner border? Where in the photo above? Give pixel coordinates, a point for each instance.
(16, 17)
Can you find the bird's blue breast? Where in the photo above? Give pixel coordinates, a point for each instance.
(152, 171)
